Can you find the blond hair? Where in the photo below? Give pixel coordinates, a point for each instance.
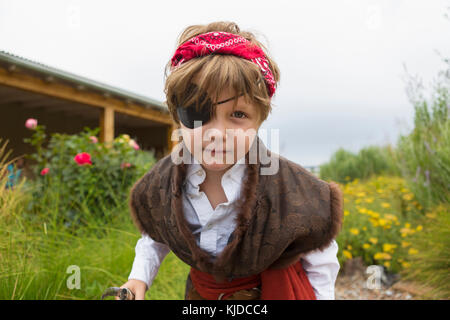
(215, 72)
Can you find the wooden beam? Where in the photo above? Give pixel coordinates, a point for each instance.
(43, 103)
(87, 97)
(13, 100)
(107, 126)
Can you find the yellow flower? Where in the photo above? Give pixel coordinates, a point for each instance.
(373, 214)
(126, 137)
(362, 210)
(373, 240)
(366, 246)
(387, 264)
(408, 196)
(382, 222)
(354, 231)
(364, 228)
(349, 247)
(406, 264)
(387, 247)
(412, 251)
(382, 256)
(407, 225)
(369, 200)
(419, 228)
(380, 191)
(361, 194)
(386, 205)
(346, 212)
(357, 200)
(405, 244)
(347, 254)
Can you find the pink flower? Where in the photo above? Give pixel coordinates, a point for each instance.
(83, 158)
(125, 165)
(133, 144)
(93, 139)
(31, 123)
(44, 171)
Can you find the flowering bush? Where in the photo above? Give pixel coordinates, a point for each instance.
(81, 176)
(380, 216)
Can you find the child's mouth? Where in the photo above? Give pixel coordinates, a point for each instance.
(219, 152)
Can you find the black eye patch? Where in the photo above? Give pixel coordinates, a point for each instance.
(188, 115)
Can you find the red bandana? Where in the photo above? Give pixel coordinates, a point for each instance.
(224, 43)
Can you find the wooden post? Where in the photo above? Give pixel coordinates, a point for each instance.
(107, 125)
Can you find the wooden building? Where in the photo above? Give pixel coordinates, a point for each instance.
(66, 103)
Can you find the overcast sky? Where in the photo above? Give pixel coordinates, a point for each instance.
(342, 75)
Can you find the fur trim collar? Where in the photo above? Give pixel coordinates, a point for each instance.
(280, 216)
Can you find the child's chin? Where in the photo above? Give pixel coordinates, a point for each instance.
(217, 166)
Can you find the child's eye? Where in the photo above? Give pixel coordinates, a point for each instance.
(239, 114)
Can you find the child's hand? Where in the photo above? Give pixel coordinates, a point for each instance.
(138, 288)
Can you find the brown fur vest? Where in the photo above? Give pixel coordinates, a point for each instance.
(279, 217)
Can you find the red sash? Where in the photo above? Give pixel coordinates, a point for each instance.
(290, 283)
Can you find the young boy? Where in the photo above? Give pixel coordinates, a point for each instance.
(249, 229)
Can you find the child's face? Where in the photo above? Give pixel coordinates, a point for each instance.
(232, 131)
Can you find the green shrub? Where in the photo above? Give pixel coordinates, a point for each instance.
(75, 193)
(345, 165)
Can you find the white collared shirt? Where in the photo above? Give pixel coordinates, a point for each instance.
(212, 228)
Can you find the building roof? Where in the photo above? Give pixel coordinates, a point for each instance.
(42, 70)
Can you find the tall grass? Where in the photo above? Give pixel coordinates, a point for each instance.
(431, 265)
(424, 154)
